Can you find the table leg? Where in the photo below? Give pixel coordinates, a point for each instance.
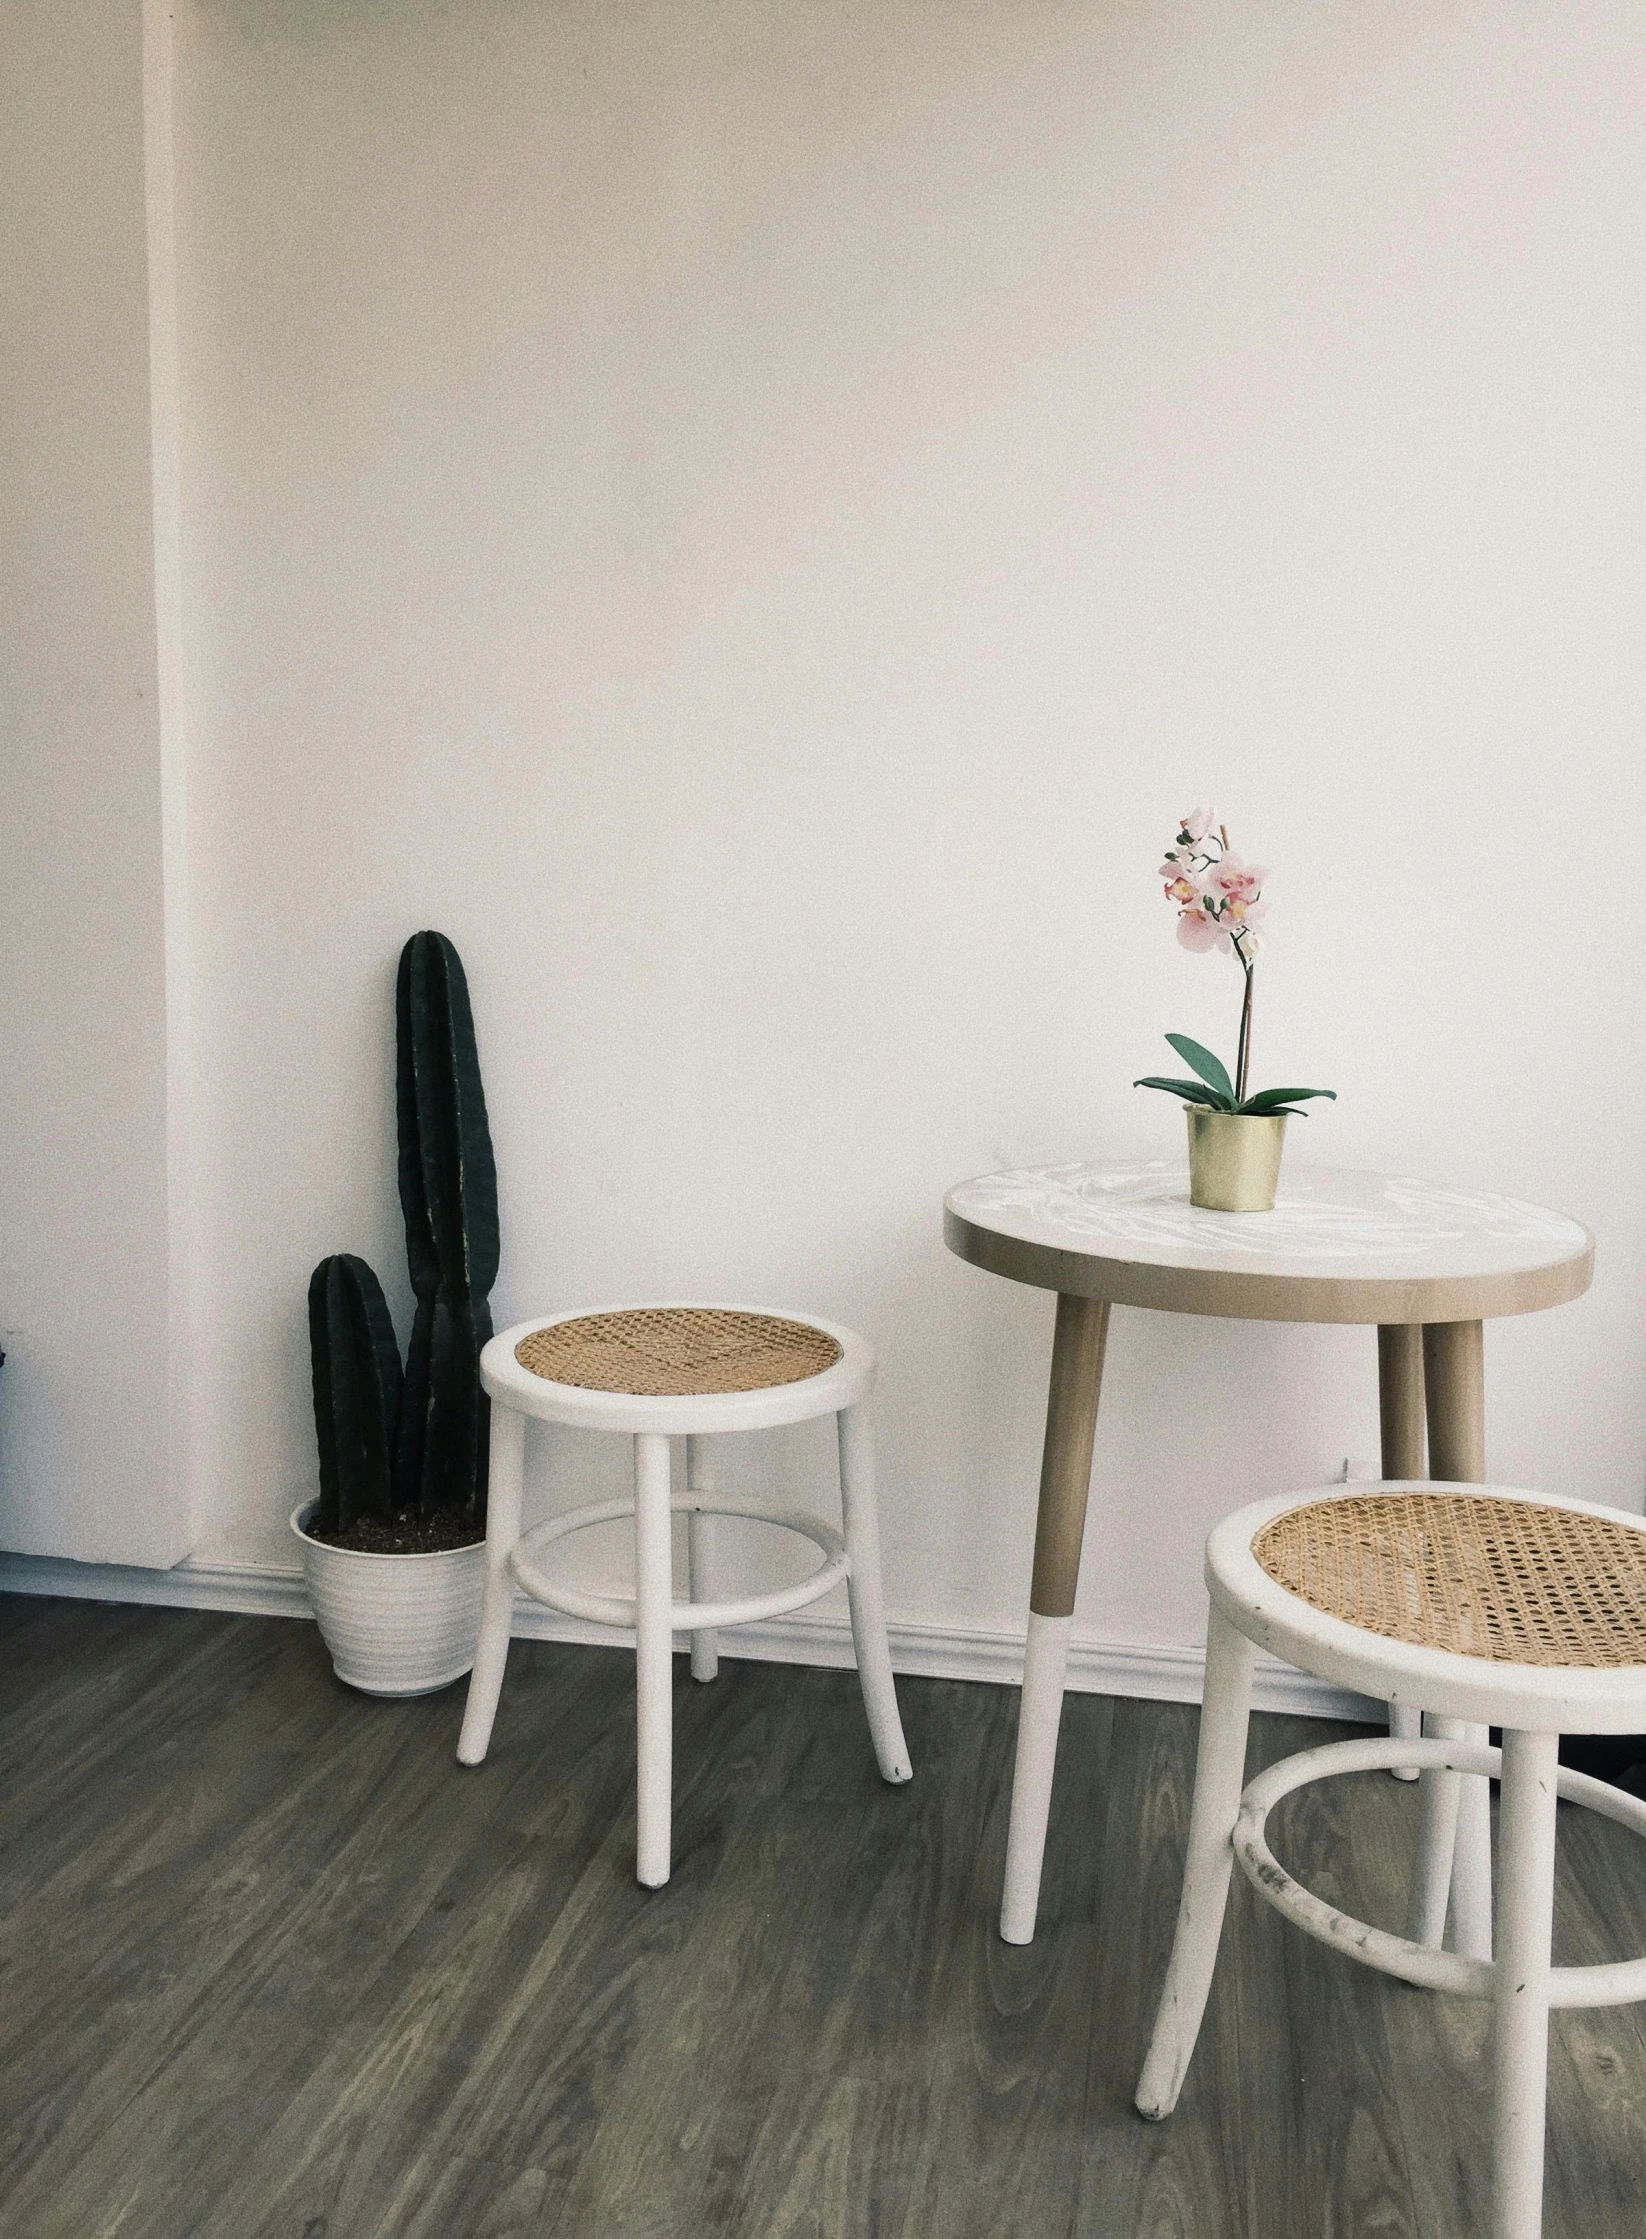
(1400, 1413)
(1065, 1480)
(1454, 1376)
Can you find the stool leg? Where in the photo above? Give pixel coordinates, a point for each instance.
(1521, 1990)
(504, 1470)
(700, 1537)
(654, 1657)
(1472, 1865)
(1437, 1840)
(861, 1531)
(1220, 1770)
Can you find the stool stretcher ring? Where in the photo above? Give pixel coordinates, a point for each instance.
(1615, 1983)
(688, 1616)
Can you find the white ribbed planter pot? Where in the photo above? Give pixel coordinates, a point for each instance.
(395, 1624)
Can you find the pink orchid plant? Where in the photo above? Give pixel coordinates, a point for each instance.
(1219, 902)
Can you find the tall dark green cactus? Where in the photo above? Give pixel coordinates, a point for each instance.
(448, 1193)
(391, 1444)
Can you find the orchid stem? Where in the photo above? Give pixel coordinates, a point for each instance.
(1244, 1054)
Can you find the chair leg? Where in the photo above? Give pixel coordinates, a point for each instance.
(1220, 1768)
(1521, 1991)
(1472, 1865)
(700, 1538)
(654, 1657)
(505, 1467)
(861, 1531)
(1436, 1842)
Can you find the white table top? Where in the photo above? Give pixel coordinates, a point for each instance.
(1340, 1246)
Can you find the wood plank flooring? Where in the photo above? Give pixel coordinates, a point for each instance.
(273, 1967)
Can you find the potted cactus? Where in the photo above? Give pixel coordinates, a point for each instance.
(394, 1544)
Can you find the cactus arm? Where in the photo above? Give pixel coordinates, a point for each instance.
(325, 1428)
(357, 1390)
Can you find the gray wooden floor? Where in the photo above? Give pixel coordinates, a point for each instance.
(275, 1968)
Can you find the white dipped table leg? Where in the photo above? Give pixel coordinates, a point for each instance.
(1060, 1522)
(1404, 1454)
(654, 1657)
(1454, 1384)
(1045, 1659)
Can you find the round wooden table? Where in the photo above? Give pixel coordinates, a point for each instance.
(1426, 1264)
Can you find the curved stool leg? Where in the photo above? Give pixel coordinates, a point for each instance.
(504, 1470)
(1521, 1994)
(700, 1538)
(1437, 1841)
(1472, 1866)
(1220, 1768)
(654, 1657)
(861, 1530)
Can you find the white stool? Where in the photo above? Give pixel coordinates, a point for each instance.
(1493, 1608)
(662, 1372)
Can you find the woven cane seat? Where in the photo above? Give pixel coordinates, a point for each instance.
(1510, 1581)
(677, 1351)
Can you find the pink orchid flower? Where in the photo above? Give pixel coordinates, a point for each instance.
(1196, 930)
(1196, 824)
(1238, 881)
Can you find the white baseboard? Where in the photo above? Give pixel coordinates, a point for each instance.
(1167, 1674)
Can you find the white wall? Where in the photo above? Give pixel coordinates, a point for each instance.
(85, 1295)
(754, 519)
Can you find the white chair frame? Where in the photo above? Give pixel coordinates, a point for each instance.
(651, 1614)
(1534, 1705)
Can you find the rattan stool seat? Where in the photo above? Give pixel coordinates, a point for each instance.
(659, 1374)
(1511, 1581)
(677, 1351)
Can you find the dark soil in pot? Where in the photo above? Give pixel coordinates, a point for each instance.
(409, 1534)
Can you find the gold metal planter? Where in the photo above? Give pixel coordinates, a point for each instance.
(1234, 1159)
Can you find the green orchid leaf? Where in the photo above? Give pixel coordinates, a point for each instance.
(1192, 1092)
(1270, 1099)
(1211, 1069)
